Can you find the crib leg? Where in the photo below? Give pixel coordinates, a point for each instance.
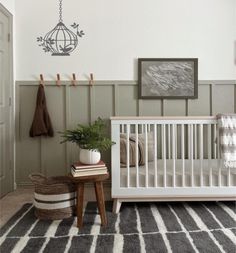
(116, 205)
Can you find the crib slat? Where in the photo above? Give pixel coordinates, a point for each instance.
(191, 154)
(228, 177)
(146, 155)
(183, 155)
(168, 129)
(173, 154)
(215, 140)
(176, 141)
(127, 155)
(122, 128)
(189, 142)
(136, 155)
(142, 129)
(155, 154)
(218, 159)
(210, 179)
(195, 141)
(164, 153)
(201, 154)
(209, 154)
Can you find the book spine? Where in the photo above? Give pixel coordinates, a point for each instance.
(86, 174)
(89, 169)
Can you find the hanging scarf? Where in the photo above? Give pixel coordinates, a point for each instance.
(41, 123)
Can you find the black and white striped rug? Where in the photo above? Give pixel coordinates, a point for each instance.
(139, 227)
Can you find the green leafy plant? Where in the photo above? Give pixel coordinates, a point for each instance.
(90, 136)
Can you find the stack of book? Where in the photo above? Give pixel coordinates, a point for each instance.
(80, 170)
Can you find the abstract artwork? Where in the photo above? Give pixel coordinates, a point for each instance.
(167, 78)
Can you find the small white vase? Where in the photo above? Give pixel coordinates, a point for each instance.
(87, 156)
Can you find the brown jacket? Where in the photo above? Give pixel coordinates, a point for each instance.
(41, 123)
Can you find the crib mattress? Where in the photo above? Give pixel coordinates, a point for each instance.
(210, 174)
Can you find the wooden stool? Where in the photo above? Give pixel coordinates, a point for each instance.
(97, 180)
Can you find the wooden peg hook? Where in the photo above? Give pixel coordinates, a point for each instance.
(73, 79)
(91, 81)
(41, 80)
(58, 80)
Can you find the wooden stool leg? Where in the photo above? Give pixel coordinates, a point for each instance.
(80, 200)
(100, 201)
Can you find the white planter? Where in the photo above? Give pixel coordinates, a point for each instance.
(87, 156)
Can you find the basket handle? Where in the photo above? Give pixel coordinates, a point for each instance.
(37, 178)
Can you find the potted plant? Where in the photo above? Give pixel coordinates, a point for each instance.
(91, 140)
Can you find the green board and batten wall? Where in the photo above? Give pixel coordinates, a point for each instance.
(69, 105)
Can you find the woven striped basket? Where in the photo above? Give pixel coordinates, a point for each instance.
(54, 197)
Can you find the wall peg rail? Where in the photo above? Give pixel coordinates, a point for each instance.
(91, 81)
(41, 80)
(73, 79)
(58, 80)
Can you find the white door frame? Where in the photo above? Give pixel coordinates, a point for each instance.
(11, 99)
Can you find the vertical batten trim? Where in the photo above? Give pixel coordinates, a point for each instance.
(17, 131)
(91, 102)
(17, 111)
(162, 107)
(67, 125)
(116, 99)
(139, 107)
(212, 86)
(41, 169)
(211, 98)
(186, 107)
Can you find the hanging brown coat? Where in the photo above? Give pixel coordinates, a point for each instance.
(41, 123)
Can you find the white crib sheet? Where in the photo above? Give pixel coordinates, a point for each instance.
(207, 178)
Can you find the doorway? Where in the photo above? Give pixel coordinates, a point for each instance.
(6, 106)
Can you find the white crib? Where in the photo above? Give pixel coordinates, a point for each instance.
(185, 164)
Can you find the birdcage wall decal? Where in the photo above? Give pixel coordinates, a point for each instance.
(60, 41)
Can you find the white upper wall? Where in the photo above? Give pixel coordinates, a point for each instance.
(9, 5)
(119, 32)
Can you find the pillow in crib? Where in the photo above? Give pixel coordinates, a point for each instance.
(150, 145)
(132, 152)
(141, 145)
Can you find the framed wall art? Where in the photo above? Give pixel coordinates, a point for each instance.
(168, 78)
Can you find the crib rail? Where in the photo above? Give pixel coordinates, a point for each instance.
(178, 153)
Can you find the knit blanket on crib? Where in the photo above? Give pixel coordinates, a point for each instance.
(227, 139)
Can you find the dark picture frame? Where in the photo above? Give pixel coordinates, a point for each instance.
(168, 78)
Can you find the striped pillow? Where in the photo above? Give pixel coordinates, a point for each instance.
(132, 149)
